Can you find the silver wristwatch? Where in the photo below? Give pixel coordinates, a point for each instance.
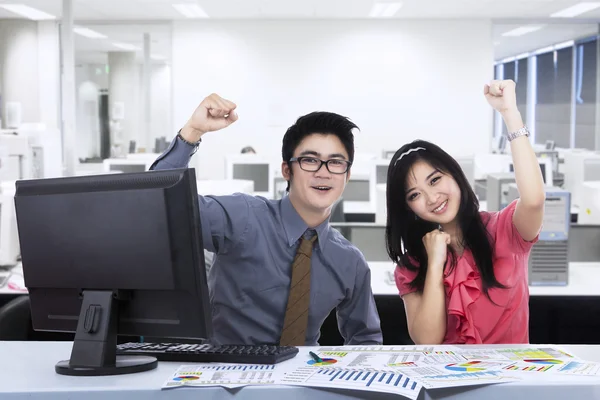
(521, 132)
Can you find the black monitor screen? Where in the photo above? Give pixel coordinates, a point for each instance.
(127, 168)
(357, 190)
(542, 167)
(120, 251)
(381, 173)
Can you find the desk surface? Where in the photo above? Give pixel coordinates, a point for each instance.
(28, 372)
(583, 281)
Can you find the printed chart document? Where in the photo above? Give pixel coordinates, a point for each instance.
(403, 370)
(227, 375)
(389, 381)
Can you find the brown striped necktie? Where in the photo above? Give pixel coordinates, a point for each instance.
(296, 313)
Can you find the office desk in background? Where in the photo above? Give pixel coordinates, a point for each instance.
(15, 285)
(369, 237)
(583, 281)
(28, 372)
(557, 314)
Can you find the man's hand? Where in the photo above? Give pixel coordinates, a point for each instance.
(501, 96)
(213, 114)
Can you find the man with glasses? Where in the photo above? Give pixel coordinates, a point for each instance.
(279, 268)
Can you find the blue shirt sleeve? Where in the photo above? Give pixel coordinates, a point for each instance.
(358, 319)
(178, 155)
(224, 219)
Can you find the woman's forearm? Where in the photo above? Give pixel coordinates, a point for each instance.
(429, 322)
(528, 175)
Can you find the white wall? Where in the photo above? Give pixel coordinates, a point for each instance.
(19, 58)
(29, 70)
(49, 73)
(160, 118)
(124, 89)
(398, 80)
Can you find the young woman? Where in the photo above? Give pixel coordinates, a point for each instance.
(462, 273)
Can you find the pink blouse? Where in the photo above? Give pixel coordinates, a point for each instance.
(471, 317)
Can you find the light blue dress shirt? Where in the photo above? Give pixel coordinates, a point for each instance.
(255, 241)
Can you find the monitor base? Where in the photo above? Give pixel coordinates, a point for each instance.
(123, 365)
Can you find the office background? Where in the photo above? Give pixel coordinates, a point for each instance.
(98, 86)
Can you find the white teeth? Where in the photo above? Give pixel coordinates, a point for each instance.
(440, 207)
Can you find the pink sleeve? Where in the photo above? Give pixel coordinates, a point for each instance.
(403, 278)
(507, 234)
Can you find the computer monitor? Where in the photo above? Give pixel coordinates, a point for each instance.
(258, 173)
(337, 212)
(110, 255)
(128, 168)
(138, 163)
(591, 169)
(388, 154)
(545, 167)
(9, 236)
(467, 164)
(502, 144)
(357, 190)
(381, 173)
(255, 168)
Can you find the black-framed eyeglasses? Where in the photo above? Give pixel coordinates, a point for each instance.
(312, 164)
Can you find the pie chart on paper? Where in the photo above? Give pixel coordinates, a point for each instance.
(465, 367)
(186, 378)
(326, 362)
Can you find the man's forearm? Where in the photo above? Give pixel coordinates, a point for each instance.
(190, 134)
(176, 156)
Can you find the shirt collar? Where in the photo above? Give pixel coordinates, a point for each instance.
(294, 226)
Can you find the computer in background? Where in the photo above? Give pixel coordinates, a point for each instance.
(549, 258)
(546, 169)
(252, 167)
(467, 164)
(122, 254)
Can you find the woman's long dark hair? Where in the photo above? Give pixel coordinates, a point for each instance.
(403, 228)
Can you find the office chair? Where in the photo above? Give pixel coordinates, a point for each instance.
(15, 319)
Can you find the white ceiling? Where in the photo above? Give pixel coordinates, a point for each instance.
(127, 20)
(547, 36)
(95, 51)
(104, 10)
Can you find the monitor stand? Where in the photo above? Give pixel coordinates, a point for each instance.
(95, 346)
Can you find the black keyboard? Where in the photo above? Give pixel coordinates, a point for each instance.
(181, 352)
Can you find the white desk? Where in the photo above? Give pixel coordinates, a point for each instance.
(359, 207)
(27, 372)
(583, 281)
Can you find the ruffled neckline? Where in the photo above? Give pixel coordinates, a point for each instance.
(462, 292)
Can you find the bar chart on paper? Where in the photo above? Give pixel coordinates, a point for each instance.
(581, 368)
(354, 379)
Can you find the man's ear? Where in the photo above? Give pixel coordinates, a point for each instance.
(285, 171)
(348, 175)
